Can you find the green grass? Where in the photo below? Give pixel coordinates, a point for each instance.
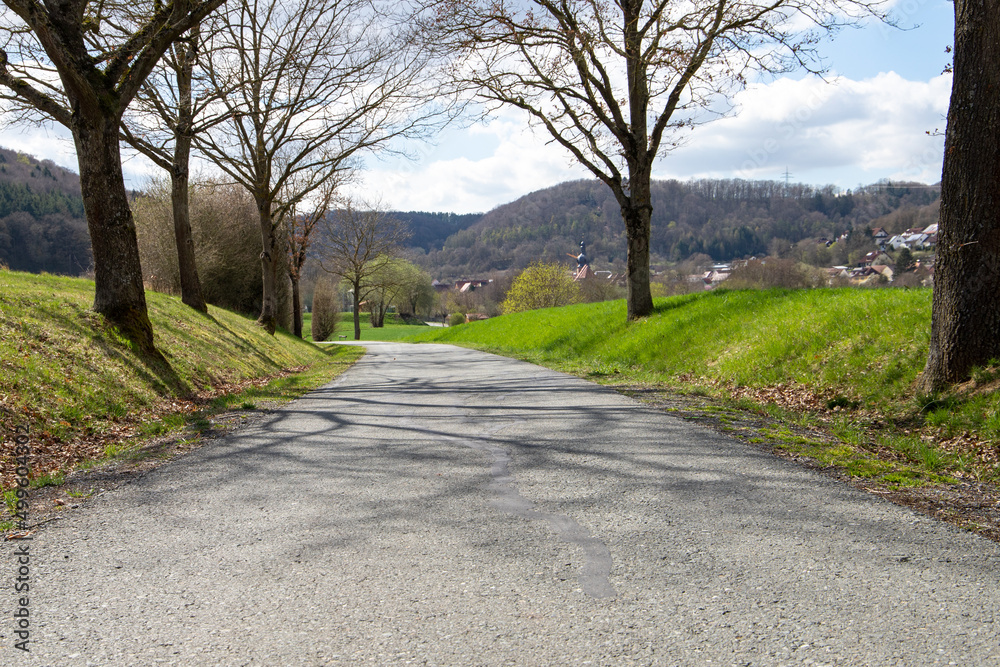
(394, 329)
(867, 345)
(69, 376)
(854, 351)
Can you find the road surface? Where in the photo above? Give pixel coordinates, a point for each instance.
(440, 506)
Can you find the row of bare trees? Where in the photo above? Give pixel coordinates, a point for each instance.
(295, 91)
(282, 97)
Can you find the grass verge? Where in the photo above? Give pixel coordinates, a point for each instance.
(838, 365)
(85, 394)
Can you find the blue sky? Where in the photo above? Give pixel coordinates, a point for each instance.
(885, 91)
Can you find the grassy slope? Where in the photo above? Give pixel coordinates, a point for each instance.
(79, 386)
(848, 357)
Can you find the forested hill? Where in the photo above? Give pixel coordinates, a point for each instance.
(725, 219)
(429, 231)
(42, 224)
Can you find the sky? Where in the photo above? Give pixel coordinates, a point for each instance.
(868, 120)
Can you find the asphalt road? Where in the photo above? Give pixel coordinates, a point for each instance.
(439, 506)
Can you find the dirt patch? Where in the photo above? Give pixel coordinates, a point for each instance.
(50, 455)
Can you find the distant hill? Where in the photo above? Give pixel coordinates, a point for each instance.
(431, 230)
(725, 219)
(43, 228)
(42, 224)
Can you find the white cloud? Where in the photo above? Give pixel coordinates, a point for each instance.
(45, 143)
(847, 133)
(519, 161)
(844, 133)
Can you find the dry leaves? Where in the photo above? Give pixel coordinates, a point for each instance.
(51, 455)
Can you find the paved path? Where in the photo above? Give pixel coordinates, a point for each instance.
(438, 506)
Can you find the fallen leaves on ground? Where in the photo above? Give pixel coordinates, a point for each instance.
(51, 455)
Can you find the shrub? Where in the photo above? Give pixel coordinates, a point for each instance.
(455, 319)
(325, 311)
(541, 286)
(226, 233)
(772, 272)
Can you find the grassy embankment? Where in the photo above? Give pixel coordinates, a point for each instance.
(837, 363)
(86, 395)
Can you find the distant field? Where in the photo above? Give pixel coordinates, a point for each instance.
(843, 359)
(394, 329)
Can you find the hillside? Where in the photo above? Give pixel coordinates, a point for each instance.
(42, 224)
(724, 219)
(84, 393)
(429, 231)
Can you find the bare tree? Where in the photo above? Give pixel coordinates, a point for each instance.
(300, 228)
(315, 83)
(161, 127)
(223, 225)
(357, 245)
(388, 285)
(80, 63)
(617, 83)
(965, 326)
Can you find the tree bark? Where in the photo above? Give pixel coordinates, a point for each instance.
(357, 310)
(637, 231)
(965, 329)
(119, 293)
(191, 293)
(269, 268)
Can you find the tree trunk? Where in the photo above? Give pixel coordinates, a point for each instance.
(639, 298)
(269, 268)
(636, 205)
(191, 293)
(357, 311)
(119, 294)
(296, 306)
(637, 213)
(965, 330)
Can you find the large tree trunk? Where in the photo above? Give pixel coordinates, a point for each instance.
(357, 311)
(965, 330)
(636, 205)
(269, 268)
(637, 213)
(179, 175)
(191, 293)
(119, 294)
(639, 298)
